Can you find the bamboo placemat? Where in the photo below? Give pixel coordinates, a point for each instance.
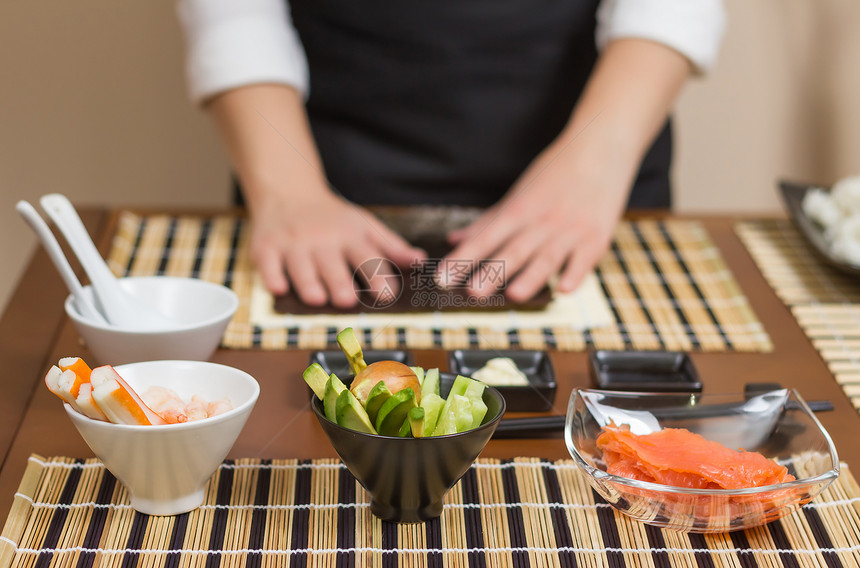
(825, 302)
(666, 283)
(521, 512)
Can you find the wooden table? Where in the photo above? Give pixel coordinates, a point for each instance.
(35, 333)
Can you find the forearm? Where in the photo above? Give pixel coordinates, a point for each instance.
(627, 100)
(268, 138)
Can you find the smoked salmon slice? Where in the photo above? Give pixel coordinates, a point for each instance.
(680, 458)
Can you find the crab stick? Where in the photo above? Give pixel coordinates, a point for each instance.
(87, 404)
(73, 384)
(52, 381)
(118, 401)
(77, 366)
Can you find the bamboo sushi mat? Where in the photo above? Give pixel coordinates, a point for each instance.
(521, 512)
(667, 286)
(825, 302)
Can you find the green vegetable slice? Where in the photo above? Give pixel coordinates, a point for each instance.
(352, 349)
(333, 387)
(316, 378)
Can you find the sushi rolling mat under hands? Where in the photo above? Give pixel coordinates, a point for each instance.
(825, 302)
(663, 285)
(521, 512)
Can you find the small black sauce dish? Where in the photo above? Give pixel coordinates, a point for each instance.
(644, 371)
(334, 361)
(537, 396)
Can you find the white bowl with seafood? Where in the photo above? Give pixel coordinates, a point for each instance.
(166, 467)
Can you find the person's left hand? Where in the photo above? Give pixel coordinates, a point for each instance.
(557, 219)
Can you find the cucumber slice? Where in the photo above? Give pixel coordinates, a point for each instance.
(475, 390)
(432, 404)
(460, 385)
(479, 410)
(419, 372)
(431, 383)
(456, 416)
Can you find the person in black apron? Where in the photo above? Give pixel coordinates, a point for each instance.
(464, 103)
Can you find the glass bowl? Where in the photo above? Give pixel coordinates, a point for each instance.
(778, 424)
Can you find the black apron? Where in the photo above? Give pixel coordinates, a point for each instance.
(448, 101)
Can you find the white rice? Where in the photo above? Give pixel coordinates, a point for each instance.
(838, 214)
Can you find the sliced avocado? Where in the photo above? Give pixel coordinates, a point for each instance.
(350, 414)
(333, 388)
(430, 383)
(419, 372)
(375, 399)
(415, 419)
(316, 378)
(405, 428)
(456, 416)
(352, 349)
(393, 412)
(432, 404)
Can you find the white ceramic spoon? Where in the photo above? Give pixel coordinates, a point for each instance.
(119, 307)
(82, 302)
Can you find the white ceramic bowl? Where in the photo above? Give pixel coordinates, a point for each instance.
(202, 310)
(165, 468)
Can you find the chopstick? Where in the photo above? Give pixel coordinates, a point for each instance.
(535, 425)
(527, 427)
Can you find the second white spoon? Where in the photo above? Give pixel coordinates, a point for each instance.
(82, 302)
(119, 307)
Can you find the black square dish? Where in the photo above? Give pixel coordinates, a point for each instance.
(537, 396)
(334, 361)
(644, 371)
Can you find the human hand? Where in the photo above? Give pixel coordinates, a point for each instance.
(314, 245)
(558, 218)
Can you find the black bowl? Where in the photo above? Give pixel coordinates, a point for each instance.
(407, 478)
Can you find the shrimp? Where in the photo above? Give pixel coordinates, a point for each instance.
(166, 403)
(118, 401)
(219, 407)
(196, 409)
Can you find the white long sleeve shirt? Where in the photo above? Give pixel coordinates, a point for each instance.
(233, 43)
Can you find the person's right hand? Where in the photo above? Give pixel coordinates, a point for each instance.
(315, 244)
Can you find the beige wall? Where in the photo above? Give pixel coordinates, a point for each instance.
(92, 104)
(783, 102)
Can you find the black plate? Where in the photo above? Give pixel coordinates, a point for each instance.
(792, 197)
(644, 371)
(538, 396)
(334, 361)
